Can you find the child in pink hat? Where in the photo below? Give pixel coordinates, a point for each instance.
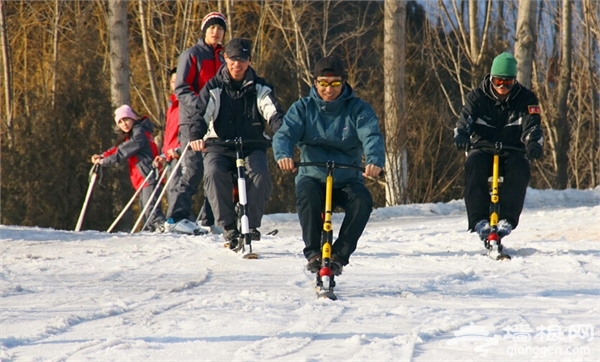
(135, 144)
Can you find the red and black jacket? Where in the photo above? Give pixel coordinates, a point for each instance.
(139, 149)
(196, 66)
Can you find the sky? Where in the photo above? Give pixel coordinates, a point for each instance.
(418, 288)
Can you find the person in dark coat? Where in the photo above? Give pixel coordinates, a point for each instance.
(502, 111)
(195, 67)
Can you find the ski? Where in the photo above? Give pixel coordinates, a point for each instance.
(272, 232)
(324, 286)
(326, 294)
(498, 256)
(495, 248)
(245, 253)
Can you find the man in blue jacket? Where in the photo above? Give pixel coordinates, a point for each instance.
(332, 124)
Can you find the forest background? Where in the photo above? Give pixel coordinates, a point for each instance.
(64, 63)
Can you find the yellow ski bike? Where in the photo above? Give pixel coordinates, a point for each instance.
(325, 280)
(493, 242)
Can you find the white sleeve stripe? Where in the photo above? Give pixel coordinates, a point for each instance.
(264, 102)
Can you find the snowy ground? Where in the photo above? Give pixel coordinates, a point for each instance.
(418, 289)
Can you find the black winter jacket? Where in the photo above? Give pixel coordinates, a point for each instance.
(487, 120)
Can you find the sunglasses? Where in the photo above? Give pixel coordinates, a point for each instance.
(325, 84)
(504, 82)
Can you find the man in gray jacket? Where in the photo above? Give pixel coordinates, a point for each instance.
(332, 124)
(235, 104)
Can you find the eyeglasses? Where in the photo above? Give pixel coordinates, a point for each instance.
(325, 84)
(504, 82)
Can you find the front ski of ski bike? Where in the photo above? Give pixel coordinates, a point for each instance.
(325, 279)
(243, 245)
(493, 242)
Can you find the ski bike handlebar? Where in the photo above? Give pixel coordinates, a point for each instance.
(334, 164)
(234, 142)
(497, 147)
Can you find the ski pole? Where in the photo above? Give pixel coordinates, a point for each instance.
(152, 198)
(161, 194)
(137, 192)
(92, 181)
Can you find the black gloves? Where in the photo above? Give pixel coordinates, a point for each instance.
(534, 150)
(461, 142)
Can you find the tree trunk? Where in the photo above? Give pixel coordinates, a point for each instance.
(119, 52)
(119, 86)
(394, 25)
(7, 118)
(55, 40)
(526, 40)
(562, 124)
(159, 115)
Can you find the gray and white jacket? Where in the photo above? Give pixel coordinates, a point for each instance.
(227, 110)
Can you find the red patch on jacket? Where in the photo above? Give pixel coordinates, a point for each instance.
(533, 109)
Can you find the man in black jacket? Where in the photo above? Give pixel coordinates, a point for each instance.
(499, 110)
(236, 103)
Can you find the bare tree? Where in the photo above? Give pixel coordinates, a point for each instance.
(119, 52)
(526, 40)
(462, 46)
(7, 118)
(158, 110)
(394, 92)
(591, 19)
(561, 124)
(55, 41)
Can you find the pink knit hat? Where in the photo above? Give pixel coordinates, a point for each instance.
(124, 112)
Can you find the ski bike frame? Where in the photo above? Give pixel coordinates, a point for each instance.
(493, 242)
(244, 244)
(325, 279)
(92, 180)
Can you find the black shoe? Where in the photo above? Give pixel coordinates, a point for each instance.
(336, 265)
(231, 235)
(314, 264)
(254, 234)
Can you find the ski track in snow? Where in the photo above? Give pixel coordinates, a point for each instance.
(416, 279)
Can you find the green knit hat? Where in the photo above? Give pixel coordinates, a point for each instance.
(504, 65)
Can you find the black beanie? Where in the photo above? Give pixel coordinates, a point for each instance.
(212, 19)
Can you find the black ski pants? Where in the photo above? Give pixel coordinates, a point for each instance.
(514, 168)
(353, 197)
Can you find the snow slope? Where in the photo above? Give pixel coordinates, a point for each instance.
(418, 289)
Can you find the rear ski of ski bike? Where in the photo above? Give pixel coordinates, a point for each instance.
(325, 279)
(243, 245)
(493, 242)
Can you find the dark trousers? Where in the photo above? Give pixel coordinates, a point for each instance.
(157, 218)
(357, 203)
(184, 186)
(219, 181)
(514, 168)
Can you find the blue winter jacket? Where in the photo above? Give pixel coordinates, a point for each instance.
(340, 131)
